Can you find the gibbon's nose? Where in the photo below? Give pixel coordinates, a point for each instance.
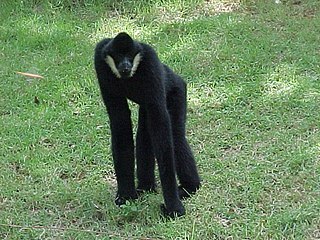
(125, 70)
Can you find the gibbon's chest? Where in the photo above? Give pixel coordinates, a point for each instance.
(134, 90)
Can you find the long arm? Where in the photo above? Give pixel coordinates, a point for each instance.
(159, 126)
(122, 147)
(161, 139)
(121, 128)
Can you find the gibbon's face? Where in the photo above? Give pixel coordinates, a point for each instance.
(123, 66)
(123, 56)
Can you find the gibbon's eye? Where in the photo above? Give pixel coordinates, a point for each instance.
(130, 58)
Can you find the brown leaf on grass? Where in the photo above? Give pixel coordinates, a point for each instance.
(30, 75)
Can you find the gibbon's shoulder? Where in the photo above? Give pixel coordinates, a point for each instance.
(99, 47)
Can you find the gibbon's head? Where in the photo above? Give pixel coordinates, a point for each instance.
(123, 56)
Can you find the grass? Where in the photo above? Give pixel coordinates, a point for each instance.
(252, 69)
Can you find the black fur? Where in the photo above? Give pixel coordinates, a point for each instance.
(161, 95)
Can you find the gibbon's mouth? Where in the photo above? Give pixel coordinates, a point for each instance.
(125, 75)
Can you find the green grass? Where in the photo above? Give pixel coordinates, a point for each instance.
(253, 76)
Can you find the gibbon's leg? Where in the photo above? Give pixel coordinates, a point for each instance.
(122, 148)
(184, 159)
(159, 127)
(145, 156)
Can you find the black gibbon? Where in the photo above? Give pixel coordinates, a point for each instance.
(127, 69)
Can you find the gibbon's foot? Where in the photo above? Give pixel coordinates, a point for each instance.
(185, 193)
(121, 200)
(180, 211)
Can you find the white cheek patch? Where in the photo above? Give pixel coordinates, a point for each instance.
(136, 62)
(109, 60)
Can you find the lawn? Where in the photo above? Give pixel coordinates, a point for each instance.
(253, 74)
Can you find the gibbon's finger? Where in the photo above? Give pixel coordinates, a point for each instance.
(30, 75)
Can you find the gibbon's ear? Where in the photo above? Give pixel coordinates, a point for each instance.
(123, 42)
